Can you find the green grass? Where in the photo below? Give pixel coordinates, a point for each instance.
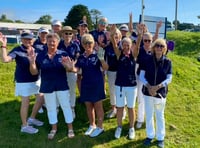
(182, 109)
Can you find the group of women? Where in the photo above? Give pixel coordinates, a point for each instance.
(135, 69)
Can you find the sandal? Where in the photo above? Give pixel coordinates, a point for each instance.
(70, 134)
(51, 134)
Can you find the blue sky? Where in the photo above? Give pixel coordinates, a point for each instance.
(116, 11)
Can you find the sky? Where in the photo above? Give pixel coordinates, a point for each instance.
(117, 11)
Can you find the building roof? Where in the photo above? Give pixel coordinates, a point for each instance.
(21, 26)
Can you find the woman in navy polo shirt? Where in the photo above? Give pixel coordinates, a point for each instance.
(25, 82)
(111, 59)
(144, 52)
(125, 84)
(73, 50)
(92, 84)
(54, 84)
(156, 74)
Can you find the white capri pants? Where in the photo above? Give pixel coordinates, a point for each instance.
(71, 79)
(111, 84)
(125, 96)
(62, 97)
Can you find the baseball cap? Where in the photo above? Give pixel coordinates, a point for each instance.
(56, 22)
(43, 29)
(27, 34)
(123, 27)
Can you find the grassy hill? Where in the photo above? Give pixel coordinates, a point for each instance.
(182, 109)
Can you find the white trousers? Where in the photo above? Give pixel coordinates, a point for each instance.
(51, 100)
(111, 85)
(140, 101)
(71, 79)
(156, 105)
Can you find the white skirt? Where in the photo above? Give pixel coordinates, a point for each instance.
(26, 89)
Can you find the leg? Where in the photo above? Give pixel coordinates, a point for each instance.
(111, 83)
(38, 104)
(149, 111)
(24, 110)
(51, 105)
(140, 99)
(131, 93)
(100, 113)
(90, 113)
(160, 119)
(79, 77)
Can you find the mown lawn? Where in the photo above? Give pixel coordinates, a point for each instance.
(182, 110)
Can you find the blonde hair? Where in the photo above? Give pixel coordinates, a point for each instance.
(127, 40)
(148, 35)
(87, 38)
(118, 32)
(159, 41)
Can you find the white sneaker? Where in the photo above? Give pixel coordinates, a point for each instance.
(29, 129)
(96, 132)
(35, 122)
(41, 110)
(118, 132)
(90, 130)
(112, 113)
(131, 133)
(139, 125)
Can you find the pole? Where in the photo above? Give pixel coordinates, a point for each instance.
(176, 21)
(142, 14)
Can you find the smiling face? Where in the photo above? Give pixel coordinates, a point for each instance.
(52, 41)
(159, 47)
(87, 42)
(27, 42)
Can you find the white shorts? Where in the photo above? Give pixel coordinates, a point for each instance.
(125, 96)
(26, 89)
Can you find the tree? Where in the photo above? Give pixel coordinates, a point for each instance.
(18, 21)
(4, 18)
(45, 19)
(95, 15)
(76, 13)
(198, 16)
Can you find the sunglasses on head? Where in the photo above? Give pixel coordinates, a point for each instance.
(83, 25)
(145, 40)
(68, 33)
(159, 46)
(87, 42)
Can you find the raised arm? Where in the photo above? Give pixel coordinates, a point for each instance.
(130, 25)
(114, 41)
(140, 29)
(156, 35)
(3, 40)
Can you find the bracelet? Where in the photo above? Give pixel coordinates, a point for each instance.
(3, 47)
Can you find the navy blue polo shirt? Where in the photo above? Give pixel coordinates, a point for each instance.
(72, 50)
(53, 73)
(156, 72)
(111, 57)
(96, 34)
(39, 46)
(22, 72)
(142, 56)
(126, 71)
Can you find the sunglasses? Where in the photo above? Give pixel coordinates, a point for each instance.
(83, 25)
(87, 42)
(68, 33)
(159, 46)
(145, 40)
